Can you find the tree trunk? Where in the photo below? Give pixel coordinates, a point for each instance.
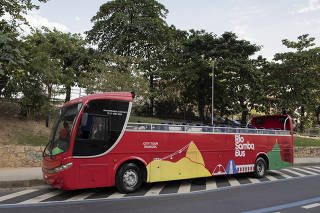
(302, 119)
(49, 92)
(151, 97)
(68, 93)
(244, 114)
(3, 83)
(201, 108)
(317, 112)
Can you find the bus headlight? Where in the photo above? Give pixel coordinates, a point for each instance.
(63, 167)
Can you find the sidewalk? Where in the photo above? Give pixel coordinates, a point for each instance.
(20, 177)
(25, 177)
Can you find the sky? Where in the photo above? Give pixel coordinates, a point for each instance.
(262, 22)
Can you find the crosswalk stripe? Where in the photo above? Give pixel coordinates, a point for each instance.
(211, 184)
(42, 197)
(116, 195)
(233, 181)
(16, 194)
(281, 173)
(303, 170)
(271, 178)
(81, 196)
(254, 180)
(185, 187)
(313, 169)
(293, 172)
(156, 189)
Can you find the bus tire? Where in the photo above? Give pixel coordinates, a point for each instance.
(128, 178)
(260, 168)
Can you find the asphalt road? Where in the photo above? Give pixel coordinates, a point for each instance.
(297, 194)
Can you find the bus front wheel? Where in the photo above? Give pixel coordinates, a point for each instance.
(128, 178)
(260, 168)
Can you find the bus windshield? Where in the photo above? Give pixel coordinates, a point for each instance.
(60, 136)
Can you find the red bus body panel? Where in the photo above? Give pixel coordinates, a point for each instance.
(171, 155)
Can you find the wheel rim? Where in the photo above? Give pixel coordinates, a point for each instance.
(130, 178)
(260, 168)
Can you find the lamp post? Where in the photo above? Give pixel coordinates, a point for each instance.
(212, 94)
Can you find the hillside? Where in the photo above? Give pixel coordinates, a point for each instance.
(16, 130)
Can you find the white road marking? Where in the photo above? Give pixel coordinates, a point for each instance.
(156, 189)
(233, 181)
(185, 186)
(270, 177)
(116, 195)
(293, 172)
(41, 197)
(281, 173)
(81, 196)
(254, 180)
(211, 184)
(318, 167)
(313, 169)
(311, 206)
(306, 171)
(15, 194)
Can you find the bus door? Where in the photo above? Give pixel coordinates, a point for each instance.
(99, 129)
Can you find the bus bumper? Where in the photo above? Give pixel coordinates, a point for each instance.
(57, 179)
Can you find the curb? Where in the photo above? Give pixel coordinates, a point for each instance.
(21, 183)
(306, 164)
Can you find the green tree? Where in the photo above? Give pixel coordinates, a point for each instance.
(295, 79)
(10, 46)
(114, 73)
(71, 53)
(236, 76)
(52, 59)
(133, 29)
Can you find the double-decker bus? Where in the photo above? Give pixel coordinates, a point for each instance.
(92, 144)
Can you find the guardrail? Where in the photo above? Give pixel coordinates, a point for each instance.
(191, 128)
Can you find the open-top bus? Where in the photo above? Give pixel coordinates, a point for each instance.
(92, 144)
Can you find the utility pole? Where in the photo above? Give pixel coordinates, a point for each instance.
(212, 94)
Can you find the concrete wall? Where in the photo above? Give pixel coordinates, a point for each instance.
(31, 156)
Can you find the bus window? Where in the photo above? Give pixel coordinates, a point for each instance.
(104, 124)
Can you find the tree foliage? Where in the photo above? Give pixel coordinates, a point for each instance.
(10, 46)
(133, 29)
(294, 81)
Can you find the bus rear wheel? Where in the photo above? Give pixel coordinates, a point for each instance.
(128, 178)
(260, 168)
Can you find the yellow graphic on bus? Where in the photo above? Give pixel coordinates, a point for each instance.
(190, 166)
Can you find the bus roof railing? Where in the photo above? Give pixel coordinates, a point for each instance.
(201, 129)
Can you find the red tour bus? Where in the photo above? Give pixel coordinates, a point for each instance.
(93, 145)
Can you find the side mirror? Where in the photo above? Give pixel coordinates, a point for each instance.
(47, 121)
(84, 119)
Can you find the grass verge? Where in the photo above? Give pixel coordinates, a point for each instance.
(25, 138)
(304, 141)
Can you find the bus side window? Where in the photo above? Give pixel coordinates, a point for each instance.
(104, 124)
(83, 132)
(98, 131)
